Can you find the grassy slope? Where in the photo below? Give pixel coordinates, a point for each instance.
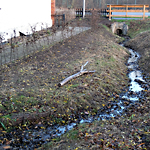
(140, 42)
(29, 86)
(131, 131)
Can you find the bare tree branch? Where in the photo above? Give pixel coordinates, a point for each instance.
(76, 75)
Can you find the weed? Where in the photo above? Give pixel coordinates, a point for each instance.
(108, 29)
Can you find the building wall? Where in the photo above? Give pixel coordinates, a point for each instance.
(53, 11)
(20, 15)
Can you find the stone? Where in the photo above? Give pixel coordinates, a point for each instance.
(119, 28)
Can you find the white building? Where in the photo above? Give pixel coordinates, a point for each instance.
(21, 15)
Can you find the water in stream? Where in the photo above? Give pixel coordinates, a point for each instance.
(37, 136)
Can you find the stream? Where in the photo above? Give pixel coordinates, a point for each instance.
(38, 135)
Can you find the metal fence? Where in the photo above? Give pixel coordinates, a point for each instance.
(79, 12)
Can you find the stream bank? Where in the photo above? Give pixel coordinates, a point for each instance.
(131, 130)
(29, 94)
(142, 45)
(134, 96)
(116, 133)
(75, 137)
(34, 137)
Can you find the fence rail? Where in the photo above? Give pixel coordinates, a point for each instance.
(79, 12)
(127, 8)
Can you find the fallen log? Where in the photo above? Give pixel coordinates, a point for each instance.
(76, 75)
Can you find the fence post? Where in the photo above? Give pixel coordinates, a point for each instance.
(126, 10)
(80, 12)
(143, 12)
(105, 12)
(109, 12)
(63, 18)
(77, 12)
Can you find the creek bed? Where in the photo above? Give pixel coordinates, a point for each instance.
(35, 136)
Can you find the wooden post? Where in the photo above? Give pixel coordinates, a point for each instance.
(144, 12)
(109, 12)
(126, 10)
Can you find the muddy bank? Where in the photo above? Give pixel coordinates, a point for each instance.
(141, 44)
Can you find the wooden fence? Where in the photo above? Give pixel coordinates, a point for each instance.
(79, 12)
(127, 8)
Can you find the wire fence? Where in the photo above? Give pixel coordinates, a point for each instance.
(88, 12)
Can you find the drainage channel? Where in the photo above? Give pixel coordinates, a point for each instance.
(37, 136)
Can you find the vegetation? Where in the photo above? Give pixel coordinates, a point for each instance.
(140, 42)
(138, 26)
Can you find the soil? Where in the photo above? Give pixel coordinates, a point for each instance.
(29, 88)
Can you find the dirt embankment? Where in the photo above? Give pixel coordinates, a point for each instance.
(139, 31)
(30, 85)
(141, 44)
(128, 132)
